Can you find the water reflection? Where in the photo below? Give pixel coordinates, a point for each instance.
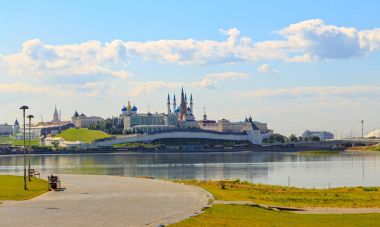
(346, 169)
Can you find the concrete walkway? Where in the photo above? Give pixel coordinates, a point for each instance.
(107, 201)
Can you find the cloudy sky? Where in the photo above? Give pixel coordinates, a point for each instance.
(296, 65)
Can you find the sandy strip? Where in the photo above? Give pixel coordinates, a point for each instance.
(107, 201)
(322, 210)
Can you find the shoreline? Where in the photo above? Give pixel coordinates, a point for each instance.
(146, 150)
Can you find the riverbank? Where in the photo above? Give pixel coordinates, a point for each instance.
(342, 197)
(237, 204)
(108, 150)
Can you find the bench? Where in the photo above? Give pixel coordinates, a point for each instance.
(34, 173)
(54, 183)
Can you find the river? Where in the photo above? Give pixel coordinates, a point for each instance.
(279, 168)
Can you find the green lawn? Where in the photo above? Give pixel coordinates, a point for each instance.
(291, 196)
(320, 152)
(245, 215)
(82, 134)
(10, 140)
(365, 148)
(12, 188)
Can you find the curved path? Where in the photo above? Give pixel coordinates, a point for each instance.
(107, 201)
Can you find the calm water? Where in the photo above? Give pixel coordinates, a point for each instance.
(265, 167)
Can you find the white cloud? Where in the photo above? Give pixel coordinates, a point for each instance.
(89, 58)
(318, 91)
(212, 79)
(305, 41)
(265, 68)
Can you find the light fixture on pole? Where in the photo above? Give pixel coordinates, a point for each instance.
(23, 108)
(362, 129)
(30, 147)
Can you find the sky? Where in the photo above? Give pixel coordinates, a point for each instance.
(295, 65)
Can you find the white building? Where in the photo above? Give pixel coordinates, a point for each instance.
(374, 134)
(60, 142)
(322, 135)
(6, 129)
(82, 121)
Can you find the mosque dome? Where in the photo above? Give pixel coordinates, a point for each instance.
(373, 134)
(124, 108)
(134, 108)
(177, 110)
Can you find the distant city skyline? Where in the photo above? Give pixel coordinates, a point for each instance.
(296, 65)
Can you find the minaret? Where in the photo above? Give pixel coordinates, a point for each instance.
(168, 104)
(191, 103)
(186, 100)
(174, 104)
(204, 114)
(55, 115)
(182, 106)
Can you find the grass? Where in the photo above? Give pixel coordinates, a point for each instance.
(349, 197)
(14, 142)
(244, 215)
(320, 152)
(12, 188)
(135, 145)
(82, 134)
(365, 148)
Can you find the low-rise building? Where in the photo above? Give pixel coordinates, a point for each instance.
(83, 121)
(6, 129)
(322, 135)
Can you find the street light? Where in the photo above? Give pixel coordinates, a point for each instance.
(23, 108)
(30, 147)
(362, 129)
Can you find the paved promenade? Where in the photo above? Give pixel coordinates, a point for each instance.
(107, 201)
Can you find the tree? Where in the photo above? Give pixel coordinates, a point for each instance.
(293, 138)
(276, 138)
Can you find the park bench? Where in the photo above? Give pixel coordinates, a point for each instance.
(54, 183)
(34, 173)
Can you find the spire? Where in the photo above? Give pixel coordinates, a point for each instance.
(191, 103)
(250, 118)
(55, 115)
(174, 98)
(168, 105)
(204, 114)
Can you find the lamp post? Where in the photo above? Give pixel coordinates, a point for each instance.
(362, 129)
(30, 147)
(23, 108)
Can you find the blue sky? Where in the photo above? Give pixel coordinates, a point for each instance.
(294, 64)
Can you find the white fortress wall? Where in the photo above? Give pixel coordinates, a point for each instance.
(253, 136)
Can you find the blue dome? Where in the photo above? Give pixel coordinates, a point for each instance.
(177, 110)
(124, 108)
(134, 108)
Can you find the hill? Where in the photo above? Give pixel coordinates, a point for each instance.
(82, 134)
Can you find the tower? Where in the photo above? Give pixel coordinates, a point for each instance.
(16, 128)
(182, 106)
(55, 115)
(204, 114)
(174, 104)
(168, 104)
(191, 103)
